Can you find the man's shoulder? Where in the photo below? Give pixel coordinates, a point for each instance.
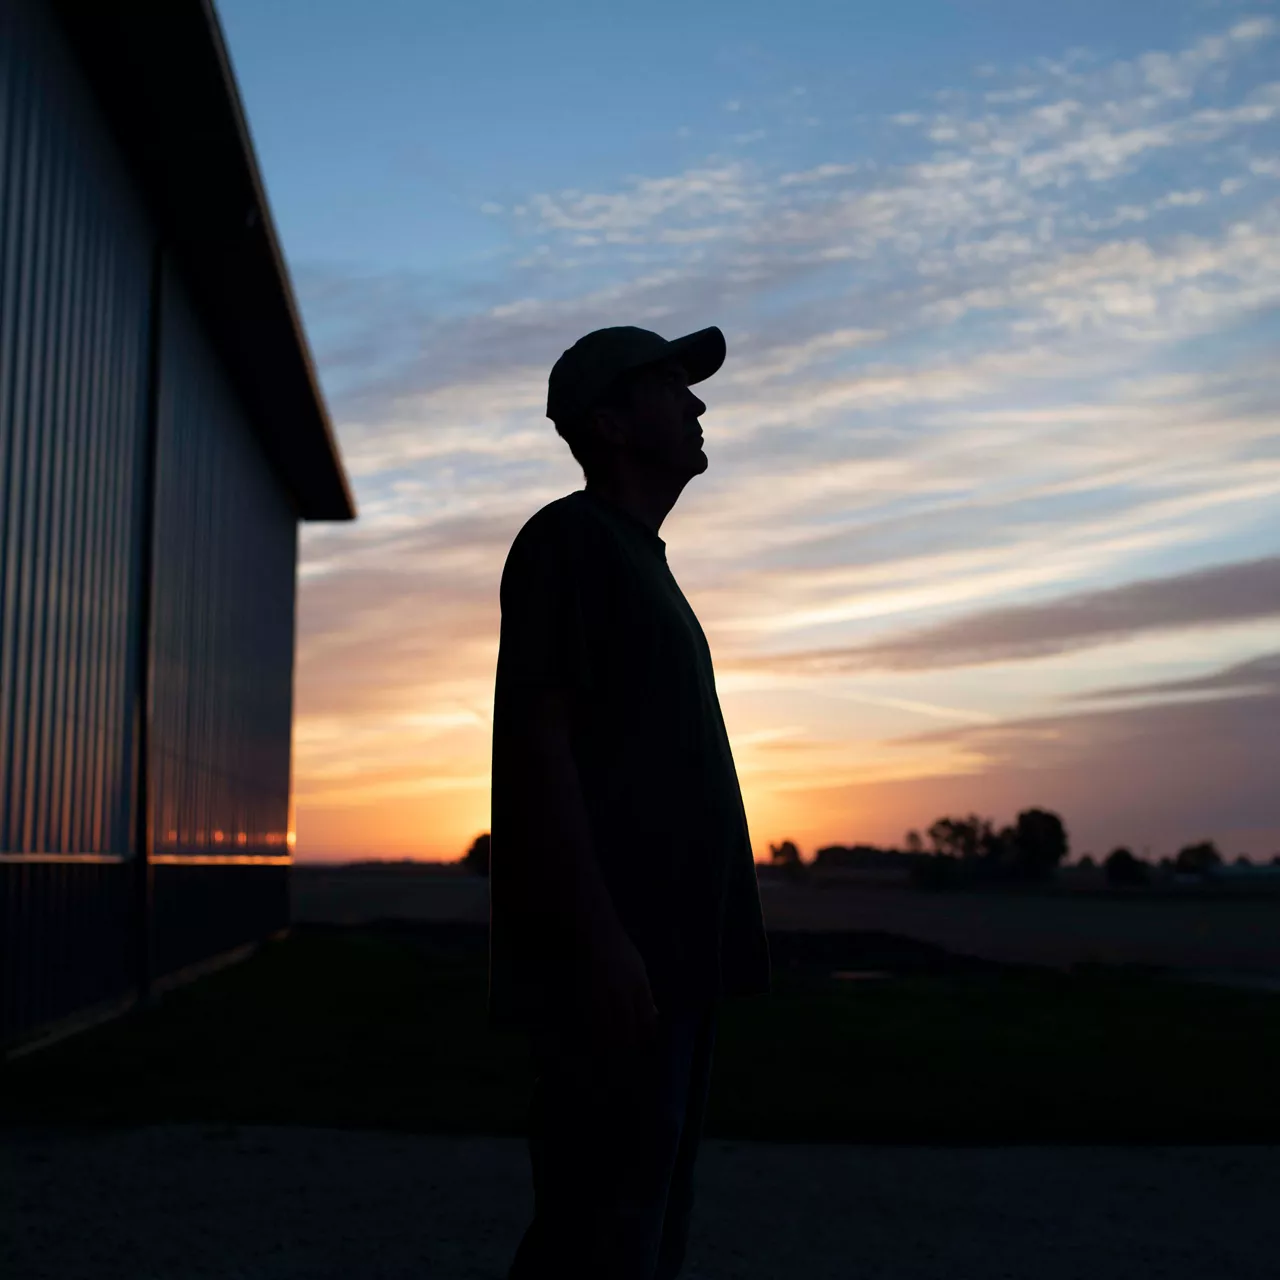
(569, 510)
(558, 524)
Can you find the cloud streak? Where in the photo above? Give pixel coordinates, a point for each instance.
(1213, 597)
(1256, 678)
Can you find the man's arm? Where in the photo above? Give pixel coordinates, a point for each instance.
(567, 888)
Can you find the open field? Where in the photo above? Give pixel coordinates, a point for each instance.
(385, 1028)
(1222, 931)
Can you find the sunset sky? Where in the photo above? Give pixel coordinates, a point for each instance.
(992, 516)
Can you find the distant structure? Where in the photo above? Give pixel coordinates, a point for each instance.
(161, 435)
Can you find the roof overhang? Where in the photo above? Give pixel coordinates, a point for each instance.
(162, 75)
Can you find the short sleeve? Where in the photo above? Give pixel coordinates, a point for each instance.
(543, 642)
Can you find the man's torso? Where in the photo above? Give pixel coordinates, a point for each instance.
(658, 779)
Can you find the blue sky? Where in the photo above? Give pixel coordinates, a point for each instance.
(991, 515)
(382, 128)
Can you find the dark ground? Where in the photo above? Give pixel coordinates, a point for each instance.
(335, 1106)
(223, 1203)
(384, 1027)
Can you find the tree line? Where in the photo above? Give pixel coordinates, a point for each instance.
(958, 851)
(965, 850)
(1122, 866)
(968, 851)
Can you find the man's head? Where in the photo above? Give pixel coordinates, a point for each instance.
(621, 400)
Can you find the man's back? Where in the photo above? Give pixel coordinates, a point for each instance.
(591, 612)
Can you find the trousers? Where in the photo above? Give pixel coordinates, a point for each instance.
(613, 1139)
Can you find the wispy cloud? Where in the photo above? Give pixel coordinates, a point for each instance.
(1212, 597)
(1258, 677)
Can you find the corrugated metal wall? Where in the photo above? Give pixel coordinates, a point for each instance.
(222, 684)
(75, 276)
(77, 340)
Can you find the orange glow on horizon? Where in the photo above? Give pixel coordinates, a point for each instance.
(441, 830)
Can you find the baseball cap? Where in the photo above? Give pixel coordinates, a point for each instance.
(586, 370)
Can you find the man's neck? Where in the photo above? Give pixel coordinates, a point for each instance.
(648, 503)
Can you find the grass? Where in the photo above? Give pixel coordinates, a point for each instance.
(386, 1029)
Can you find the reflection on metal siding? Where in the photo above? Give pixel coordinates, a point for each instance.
(74, 299)
(225, 553)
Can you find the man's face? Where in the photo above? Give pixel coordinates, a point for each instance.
(660, 427)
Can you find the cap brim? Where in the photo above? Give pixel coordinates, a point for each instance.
(700, 353)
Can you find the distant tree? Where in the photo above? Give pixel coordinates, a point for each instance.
(476, 859)
(1087, 863)
(915, 845)
(1166, 864)
(998, 849)
(1275, 862)
(1244, 860)
(787, 857)
(785, 854)
(942, 839)
(958, 837)
(1196, 859)
(1123, 868)
(1041, 842)
(992, 846)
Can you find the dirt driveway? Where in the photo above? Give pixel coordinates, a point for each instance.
(195, 1203)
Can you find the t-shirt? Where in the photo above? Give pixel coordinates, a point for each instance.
(590, 607)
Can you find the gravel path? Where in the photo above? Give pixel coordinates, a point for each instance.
(271, 1204)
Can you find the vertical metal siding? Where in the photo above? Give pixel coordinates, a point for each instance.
(74, 310)
(225, 558)
(76, 270)
(75, 273)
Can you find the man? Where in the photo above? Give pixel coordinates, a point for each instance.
(623, 895)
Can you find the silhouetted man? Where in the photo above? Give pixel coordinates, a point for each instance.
(624, 901)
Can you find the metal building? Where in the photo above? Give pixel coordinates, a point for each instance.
(161, 435)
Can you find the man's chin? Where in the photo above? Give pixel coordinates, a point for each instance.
(687, 469)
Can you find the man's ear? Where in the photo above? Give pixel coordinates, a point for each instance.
(610, 427)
